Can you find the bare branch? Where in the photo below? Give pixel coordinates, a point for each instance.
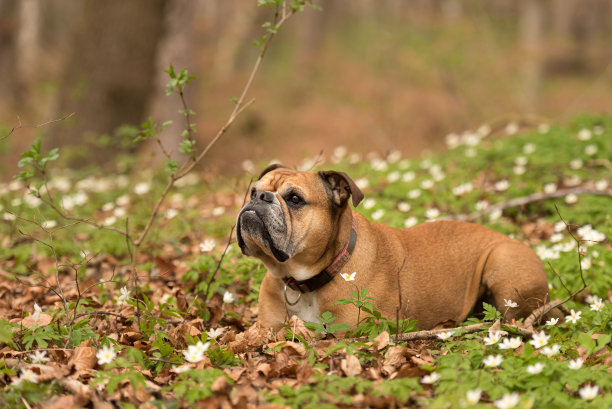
(535, 197)
(21, 126)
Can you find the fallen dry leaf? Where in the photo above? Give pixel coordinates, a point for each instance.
(351, 365)
(84, 357)
(393, 359)
(382, 340)
(41, 320)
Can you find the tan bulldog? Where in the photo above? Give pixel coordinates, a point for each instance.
(301, 226)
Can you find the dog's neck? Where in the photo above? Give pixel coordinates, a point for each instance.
(314, 282)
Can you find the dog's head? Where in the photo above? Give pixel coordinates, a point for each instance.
(294, 215)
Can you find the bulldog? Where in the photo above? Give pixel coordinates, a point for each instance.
(317, 249)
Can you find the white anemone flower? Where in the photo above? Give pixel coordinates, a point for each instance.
(535, 368)
(39, 357)
(473, 397)
(510, 304)
(228, 297)
(445, 335)
(551, 350)
(507, 401)
(539, 339)
(589, 392)
(510, 343)
(574, 316)
(106, 355)
(430, 378)
(492, 338)
(575, 364)
(493, 361)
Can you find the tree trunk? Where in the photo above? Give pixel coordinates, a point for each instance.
(176, 47)
(530, 37)
(9, 23)
(109, 71)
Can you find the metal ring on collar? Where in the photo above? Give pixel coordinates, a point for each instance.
(287, 300)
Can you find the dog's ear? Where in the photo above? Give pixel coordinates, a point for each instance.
(271, 168)
(342, 186)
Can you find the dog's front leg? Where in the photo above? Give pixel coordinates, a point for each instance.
(272, 310)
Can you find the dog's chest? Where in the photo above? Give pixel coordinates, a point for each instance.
(306, 308)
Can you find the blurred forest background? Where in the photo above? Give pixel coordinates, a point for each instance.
(371, 75)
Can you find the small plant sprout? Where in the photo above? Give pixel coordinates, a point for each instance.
(215, 333)
(207, 246)
(539, 339)
(124, 297)
(507, 401)
(39, 357)
(574, 316)
(430, 378)
(510, 343)
(575, 364)
(597, 304)
(348, 277)
(588, 392)
(445, 335)
(492, 338)
(551, 350)
(535, 368)
(228, 297)
(106, 355)
(473, 397)
(493, 361)
(510, 304)
(552, 321)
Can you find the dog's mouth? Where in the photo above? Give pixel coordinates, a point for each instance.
(251, 224)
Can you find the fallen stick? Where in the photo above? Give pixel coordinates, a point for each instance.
(535, 197)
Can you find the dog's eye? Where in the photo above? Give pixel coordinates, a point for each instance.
(295, 199)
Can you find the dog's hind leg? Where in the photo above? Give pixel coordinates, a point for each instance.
(514, 273)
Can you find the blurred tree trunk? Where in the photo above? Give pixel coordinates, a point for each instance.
(108, 73)
(530, 37)
(176, 47)
(452, 10)
(9, 23)
(310, 36)
(28, 44)
(236, 18)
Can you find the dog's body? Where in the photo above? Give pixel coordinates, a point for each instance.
(299, 223)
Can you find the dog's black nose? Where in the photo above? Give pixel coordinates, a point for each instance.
(266, 196)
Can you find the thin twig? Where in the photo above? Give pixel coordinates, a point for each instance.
(84, 314)
(20, 126)
(433, 334)
(540, 312)
(399, 295)
(163, 361)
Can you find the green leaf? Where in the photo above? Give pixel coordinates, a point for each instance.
(172, 166)
(170, 72)
(187, 146)
(6, 334)
(490, 312)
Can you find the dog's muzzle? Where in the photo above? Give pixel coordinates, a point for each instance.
(262, 221)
